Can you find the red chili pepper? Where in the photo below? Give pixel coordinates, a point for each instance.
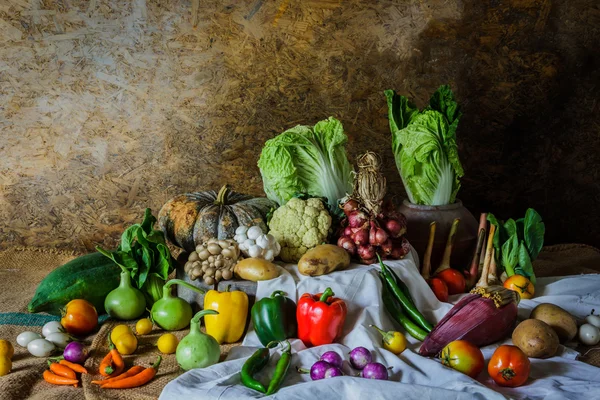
(320, 318)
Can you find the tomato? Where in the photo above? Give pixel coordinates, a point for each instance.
(454, 280)
(521, 285)
(79, 317)
(439, 288)
(509, 366)
(464, 357)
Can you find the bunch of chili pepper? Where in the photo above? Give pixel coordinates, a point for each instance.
(133, 377)
(63, 373)
(400, 305)
(258, 361)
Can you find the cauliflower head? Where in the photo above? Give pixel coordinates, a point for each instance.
(298, 226)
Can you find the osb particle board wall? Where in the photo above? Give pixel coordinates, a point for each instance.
(107, 107)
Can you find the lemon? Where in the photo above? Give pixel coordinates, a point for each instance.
(6, 348)
(126, 343)
(5, 365)
(143, 326)
(118, 331)
(167, 343)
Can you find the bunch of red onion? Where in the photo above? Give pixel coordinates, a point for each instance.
(364, 236)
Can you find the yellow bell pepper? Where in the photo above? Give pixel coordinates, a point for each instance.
(227, 326)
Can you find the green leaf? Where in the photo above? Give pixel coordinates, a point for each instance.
(510, 255)
(309, 160)
(424, 146)
(128, 238)
(525, 263)
(534, 233)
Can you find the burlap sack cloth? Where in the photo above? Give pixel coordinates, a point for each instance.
(21, 270)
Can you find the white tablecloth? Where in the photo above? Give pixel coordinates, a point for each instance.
(411, 376)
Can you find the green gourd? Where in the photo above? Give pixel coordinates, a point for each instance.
(125, 302)
(172, 313)
(89, 277)
(197, 349)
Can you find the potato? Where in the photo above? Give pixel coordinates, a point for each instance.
(256, 269)
(323, 259)
(536, 338)
(563, 323)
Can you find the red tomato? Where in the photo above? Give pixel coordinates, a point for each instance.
(464, 357)
(440, 289)
(454, 280)
(509, 366)
(79, 317)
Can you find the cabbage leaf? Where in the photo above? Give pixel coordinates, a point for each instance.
(424, 146)
(308, 160)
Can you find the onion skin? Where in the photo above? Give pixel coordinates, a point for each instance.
(357, 219)
(347, 231)
(394, 227)
(347, 244)
(387, 247)
(366, 252)
(361, 237)
(349, 206)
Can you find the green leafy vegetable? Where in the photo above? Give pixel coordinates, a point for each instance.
(518, 243)
(308, 160)
(144, 253)
(424, 146)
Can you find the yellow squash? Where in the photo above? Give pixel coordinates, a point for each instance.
(227, 326)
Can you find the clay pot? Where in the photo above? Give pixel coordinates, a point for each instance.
(419, 217)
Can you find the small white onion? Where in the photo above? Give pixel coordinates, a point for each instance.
(52, 327)
(59, 339)
(25, 337)
(254, 232)
(594, 320)
(40, 348)
(589, 334)
(241, 230)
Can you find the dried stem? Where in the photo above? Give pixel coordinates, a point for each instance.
(445, 264)
(483, 280)
(370, 184)
(427, 257)
(473, 272)
(493, 272)
(482, 223)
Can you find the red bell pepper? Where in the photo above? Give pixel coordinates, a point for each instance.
(320, 318)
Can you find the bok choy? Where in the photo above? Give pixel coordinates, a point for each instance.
(424, 146)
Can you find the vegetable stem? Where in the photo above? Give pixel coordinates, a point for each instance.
(483, 280)
(445, 264)
(167, 287)
(427, 257)
(474, 268)
(326, 294)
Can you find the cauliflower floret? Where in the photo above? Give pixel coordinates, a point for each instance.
(298, 226)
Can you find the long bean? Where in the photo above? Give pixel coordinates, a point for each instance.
(396, 312)
(410, 309)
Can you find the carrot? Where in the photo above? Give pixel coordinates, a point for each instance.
(75, 367)
(62, 370)
(132, 371)
(137, 380)
(54, 379)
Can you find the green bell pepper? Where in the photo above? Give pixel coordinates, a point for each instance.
(274, 318)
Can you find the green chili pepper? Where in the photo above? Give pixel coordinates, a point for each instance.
(255, 363)
(401, 285)
(281, 369)
(395, 311)
(410, 308)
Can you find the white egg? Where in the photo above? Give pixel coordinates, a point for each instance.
(25, 337)
(59, 339)
(594, 320)
(254, 232)
(589, 334)
(52, 327)
(40, 348)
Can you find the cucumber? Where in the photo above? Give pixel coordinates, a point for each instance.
(90, 277)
